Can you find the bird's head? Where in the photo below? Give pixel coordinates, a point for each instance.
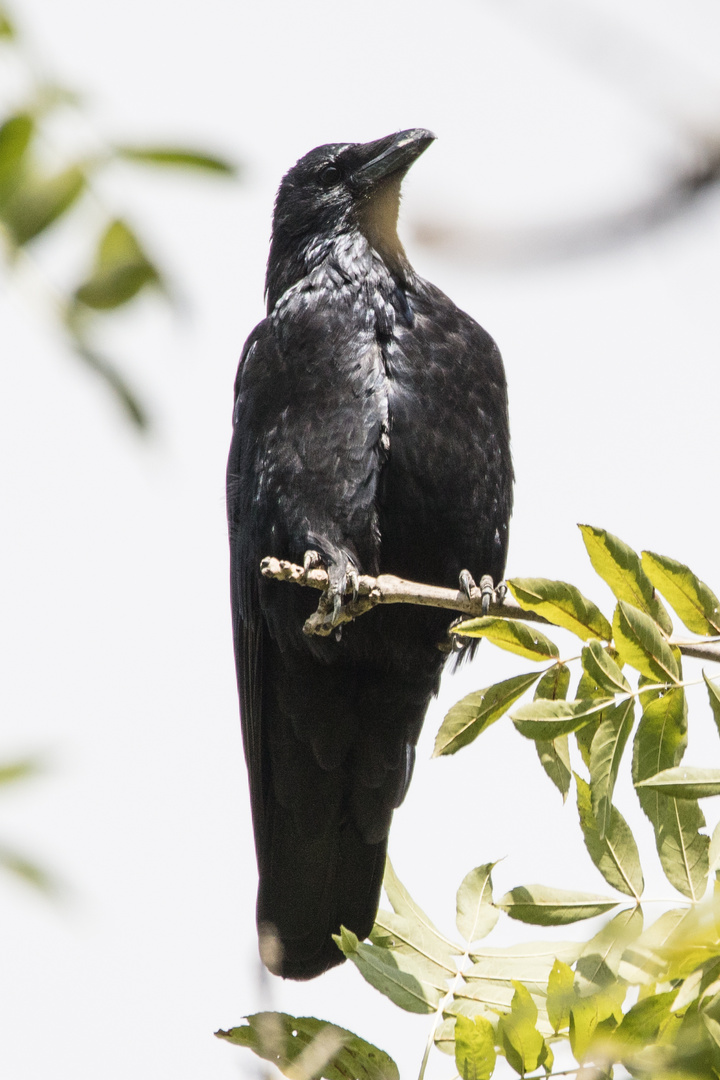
(340, 187)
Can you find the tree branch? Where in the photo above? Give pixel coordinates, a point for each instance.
(388, 589)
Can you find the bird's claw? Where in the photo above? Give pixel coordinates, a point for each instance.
(467, 583)
(343, 579)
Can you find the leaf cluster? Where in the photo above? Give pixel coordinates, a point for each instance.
(35, 199)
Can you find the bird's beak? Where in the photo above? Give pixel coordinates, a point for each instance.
(385, 157)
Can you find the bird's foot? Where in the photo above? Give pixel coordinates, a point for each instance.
(343, 580)
(488, 592)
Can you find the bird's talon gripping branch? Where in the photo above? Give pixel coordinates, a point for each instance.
(467, 583)
(487, 591)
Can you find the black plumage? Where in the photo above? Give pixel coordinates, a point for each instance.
(371, 435)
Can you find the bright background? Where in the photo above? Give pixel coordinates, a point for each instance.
(117, 665)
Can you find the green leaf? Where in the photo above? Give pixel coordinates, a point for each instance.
(430, 959)
(39, 201)
(695, 603)
(126, 397)
(640, 1025)
(15, 137)
(545, 906)
(714, 696)
(530, 961)
(640, 644)
(476, 915)
(476, 712)
(404, 905)
(547, 720)
(177, 157)
(660, 744)
(644, 961)
(606, 753)
(510, 634)
(598, 966)
(615, 853)
(120, 271)
(304, 1048)
(684, 782)
(561, 604)
(591, 1018)
(620, 566)
(602, 670)
(392, 974)
(561, 995)
(474, 1048)
(555, 760)
(523, 1044)
(553, 686)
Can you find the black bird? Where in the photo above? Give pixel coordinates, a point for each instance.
(370, 436)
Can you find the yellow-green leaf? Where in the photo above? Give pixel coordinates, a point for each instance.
(302, 1046)
(476, 915)
(620, 567)
(474, 1048)
(511, 634)
(476, 712)
(40, 201)
(614, 852)
(177, 157)
(399, 976)
(714, 696)
(684, 782)
(523, 1044)
(561, 604)
(640, 644)
(606, 752)
(547, 720)
(560, 995)
(545, 906)
(695, 603)
(15, 136)
(120, 271)
(602, 670)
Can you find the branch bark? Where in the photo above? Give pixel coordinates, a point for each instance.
(388, 589)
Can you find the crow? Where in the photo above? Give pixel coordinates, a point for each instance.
(370, 435)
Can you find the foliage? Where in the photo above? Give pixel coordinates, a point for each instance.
(12, 772)
(45, 183)
(643, 997)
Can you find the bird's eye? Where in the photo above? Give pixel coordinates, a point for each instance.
(329, 175)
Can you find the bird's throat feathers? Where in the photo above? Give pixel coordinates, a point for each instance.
(373, 219)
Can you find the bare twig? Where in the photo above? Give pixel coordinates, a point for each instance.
(388, 589)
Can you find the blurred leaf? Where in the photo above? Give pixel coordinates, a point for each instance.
(545, 906)
(15, 136)
(714, 696)
(304, 1048)
(476, 915)
(684, 782)
(641, 644)
(177, 157)
(120, 271)
(40, 201)
(695, 603)
(127, 397)
(510, 634)
(560, 995)
(30, 872)
(7, 30)
(561, 604)
(602, 670)
(620, 566)
(590, 1019)
(523, 1044)
(643, 962)
(606, 753)
(547, 720)
(615, 853)
(474, 1048)
(18, 770)
(391, 974)
(465, 720)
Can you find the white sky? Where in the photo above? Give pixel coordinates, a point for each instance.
(115, 626)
